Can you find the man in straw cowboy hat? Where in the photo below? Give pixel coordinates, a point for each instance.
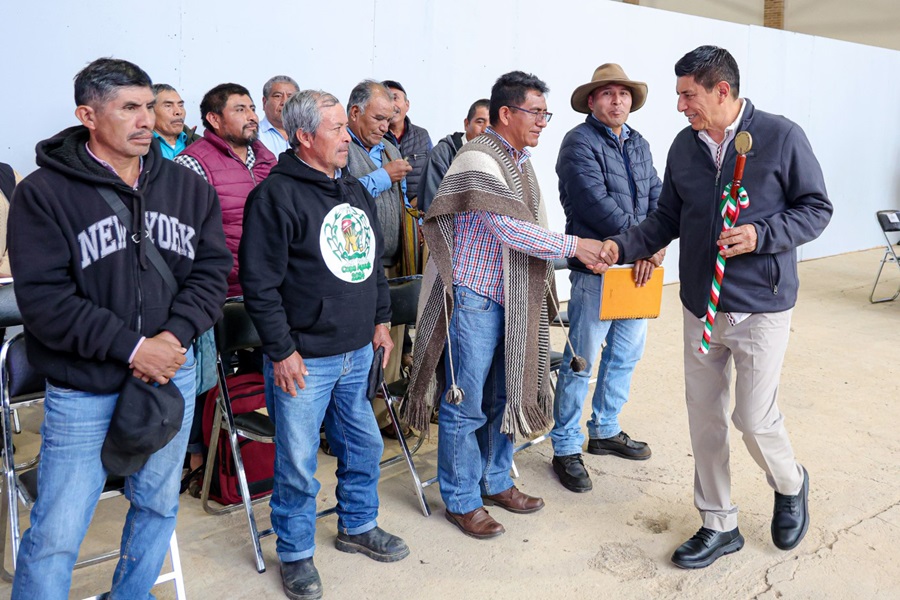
(484, 301)
(785, 204)
(607, 184)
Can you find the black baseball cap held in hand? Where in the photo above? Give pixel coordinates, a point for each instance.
(146, 418)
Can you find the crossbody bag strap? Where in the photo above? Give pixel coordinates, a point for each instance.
(150, 250)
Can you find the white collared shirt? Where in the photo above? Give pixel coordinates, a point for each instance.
(718, 155)
(716, 149)
(271, 137)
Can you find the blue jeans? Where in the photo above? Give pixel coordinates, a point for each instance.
(335, 393)
(70, 480)
(474, 458)
(624, 347)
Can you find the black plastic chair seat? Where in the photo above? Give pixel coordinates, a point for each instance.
(404, 299)
(29, 482)
(255, 423)
(556, 359)
(561, 320)
(398, 388)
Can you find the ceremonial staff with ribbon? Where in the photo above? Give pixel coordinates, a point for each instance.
(734, 198)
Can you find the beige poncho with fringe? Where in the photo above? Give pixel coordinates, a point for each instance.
(483, 177)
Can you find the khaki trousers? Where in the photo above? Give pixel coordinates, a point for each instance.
(756, 347)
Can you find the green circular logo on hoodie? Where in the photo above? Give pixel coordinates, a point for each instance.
(347, 243)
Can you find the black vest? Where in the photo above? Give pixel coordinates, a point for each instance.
(7, 180)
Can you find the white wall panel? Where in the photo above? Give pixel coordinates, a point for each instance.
(447, 54)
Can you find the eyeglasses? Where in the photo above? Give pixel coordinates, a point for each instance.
(539, 115)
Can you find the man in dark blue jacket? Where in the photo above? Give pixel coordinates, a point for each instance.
(607, 184)
(316, 290)
(788, 206)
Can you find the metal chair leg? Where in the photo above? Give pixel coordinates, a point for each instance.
(246, 501)
(888, 257)
(420, 492)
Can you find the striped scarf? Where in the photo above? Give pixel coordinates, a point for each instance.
(484, 178)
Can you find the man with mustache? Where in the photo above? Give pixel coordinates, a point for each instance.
(98, 312)
(173, 135)
(482, 341)
(319, 339)
(607, 184)
(231, 158)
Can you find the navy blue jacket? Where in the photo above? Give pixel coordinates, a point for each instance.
(788, 207)
(601, 195)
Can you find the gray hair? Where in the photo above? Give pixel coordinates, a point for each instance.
(162, 87)
(267, 88)
(303, 112)
(362, 93)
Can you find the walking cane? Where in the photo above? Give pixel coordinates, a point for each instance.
(734, 198)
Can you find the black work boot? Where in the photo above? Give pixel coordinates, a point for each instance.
(376, 543)
(572, 474)
(620, 445)
(300, 580)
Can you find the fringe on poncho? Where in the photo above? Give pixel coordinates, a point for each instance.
(483, 177)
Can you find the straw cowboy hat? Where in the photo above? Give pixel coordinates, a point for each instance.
(609, 73)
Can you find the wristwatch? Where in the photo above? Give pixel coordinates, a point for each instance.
(387, 324)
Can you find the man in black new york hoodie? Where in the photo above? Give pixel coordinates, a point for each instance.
(315, 288)
(96, 311)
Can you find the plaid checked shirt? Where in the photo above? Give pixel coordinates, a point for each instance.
(479, 238)
(194, 165)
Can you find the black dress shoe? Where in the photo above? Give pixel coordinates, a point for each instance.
(376, 543)
(300, 580)
(706, 546)
(790, 519)
(620, 445)
(572, 474)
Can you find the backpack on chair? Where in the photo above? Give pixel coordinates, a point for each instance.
(247, 393)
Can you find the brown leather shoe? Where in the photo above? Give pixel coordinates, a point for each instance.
(477, 524)
(515, 501)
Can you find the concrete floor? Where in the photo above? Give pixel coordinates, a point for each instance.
(840, 396)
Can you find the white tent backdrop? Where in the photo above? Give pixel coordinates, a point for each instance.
(448, 54)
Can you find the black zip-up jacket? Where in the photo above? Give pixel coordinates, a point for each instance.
(788, 207)
(415, 146)
(311, 262)
(86, 293)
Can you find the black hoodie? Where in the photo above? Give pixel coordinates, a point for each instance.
(311, 255)
(86, 291)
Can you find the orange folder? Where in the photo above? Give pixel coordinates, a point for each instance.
(622, 299)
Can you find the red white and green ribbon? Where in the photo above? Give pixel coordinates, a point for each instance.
(730, 210)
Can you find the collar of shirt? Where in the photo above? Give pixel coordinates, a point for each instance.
(337, 172)
(170, 152)
(110, 168)
(251, 157)
(626, 130)
(715, 148)
(518, 157)
(374, 152)
(181, 139)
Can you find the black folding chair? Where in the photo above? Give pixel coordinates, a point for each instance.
(20, 387)
(235, 331)
(404, 304)
(889, 220)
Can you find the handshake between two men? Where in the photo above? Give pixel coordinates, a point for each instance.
(599, 256)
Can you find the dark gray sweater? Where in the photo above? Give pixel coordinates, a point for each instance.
(788, 207)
